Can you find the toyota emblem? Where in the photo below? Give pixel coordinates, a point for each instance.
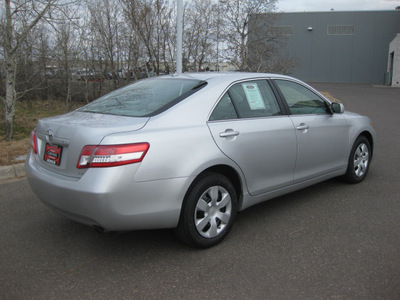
(49, 135)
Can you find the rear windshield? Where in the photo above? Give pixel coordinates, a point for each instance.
(144, 98)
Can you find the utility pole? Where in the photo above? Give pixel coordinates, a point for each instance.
(179, 33)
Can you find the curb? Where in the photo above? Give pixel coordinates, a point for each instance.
(12, 171)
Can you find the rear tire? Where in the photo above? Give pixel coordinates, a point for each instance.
(359, 161)
(208, 212)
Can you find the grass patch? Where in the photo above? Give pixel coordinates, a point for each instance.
(26, 116)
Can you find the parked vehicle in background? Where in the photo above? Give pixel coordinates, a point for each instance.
(189, 151)
(87, 75)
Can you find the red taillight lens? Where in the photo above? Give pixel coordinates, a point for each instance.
(111, 155)
(33, 142)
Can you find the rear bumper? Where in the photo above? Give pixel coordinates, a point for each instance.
(109, 197)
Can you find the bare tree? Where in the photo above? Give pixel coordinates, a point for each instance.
(43, 60)
(48, 43)
(200, 33)
(236, 16)
(66, 50)
(18, 12)
(151, 21)
(166, 33)
(106, 17)
(265, 41)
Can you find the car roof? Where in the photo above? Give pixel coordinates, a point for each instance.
(220, 77)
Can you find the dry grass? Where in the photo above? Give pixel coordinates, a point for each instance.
(9, 151)
(26, 117)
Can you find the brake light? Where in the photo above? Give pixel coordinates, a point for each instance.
(33, 142)
(111, 155)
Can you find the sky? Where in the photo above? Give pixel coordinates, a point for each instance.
(339, 5)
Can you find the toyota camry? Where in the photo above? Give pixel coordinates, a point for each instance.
(189, 151)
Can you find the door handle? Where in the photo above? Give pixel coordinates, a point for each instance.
(302, 126)
(229, 133)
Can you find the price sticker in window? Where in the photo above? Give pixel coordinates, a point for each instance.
(253, 96)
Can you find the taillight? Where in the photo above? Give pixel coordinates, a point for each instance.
(111, 155)
(33, 142)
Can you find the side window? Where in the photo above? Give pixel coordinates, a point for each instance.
(300, 99)
(224, 109)
(249, 99)
(254, 99)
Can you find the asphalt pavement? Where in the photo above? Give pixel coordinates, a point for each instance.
(329, 241)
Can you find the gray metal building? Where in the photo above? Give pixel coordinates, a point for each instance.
(337, 46)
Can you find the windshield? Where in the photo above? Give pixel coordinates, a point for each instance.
(144, 98)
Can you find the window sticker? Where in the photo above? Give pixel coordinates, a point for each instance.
(253, 96)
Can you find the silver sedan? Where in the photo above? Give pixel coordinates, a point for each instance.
(189, 151)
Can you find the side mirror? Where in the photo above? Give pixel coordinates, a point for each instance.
(337, 108)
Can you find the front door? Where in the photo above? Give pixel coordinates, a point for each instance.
(322, 138)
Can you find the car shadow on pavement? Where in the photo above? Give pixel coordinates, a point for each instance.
(64, 233)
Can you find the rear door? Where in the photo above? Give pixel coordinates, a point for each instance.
(248, 126)
(322, 137)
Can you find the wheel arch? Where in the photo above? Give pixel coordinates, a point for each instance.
(188, 229)
(357, 167)
(230, 173)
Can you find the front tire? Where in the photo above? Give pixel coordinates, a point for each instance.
(359, 161)
(208, 211)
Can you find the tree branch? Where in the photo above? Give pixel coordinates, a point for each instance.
(40, 15)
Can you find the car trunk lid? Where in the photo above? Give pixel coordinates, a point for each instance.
(60, 139)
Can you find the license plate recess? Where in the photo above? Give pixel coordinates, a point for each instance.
(52, 154)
